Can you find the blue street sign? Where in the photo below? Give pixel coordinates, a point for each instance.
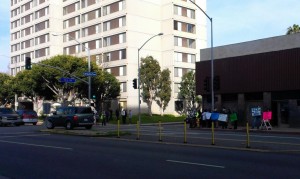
(89, 73)
(67, 80)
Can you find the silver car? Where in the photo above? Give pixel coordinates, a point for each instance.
(9, 116)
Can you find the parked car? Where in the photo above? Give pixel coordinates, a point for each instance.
(28, 116)
(70, 117)
(8, 116)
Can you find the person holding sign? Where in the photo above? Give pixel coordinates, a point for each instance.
(256, 116)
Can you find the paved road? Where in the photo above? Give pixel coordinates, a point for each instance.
(265, 141)
(27, 153)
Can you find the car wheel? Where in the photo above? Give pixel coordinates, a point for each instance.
(89, 127)
(49, 124)
(69, 125)
(34, 123)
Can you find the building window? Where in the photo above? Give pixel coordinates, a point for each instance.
(122, 38)
(178, 57)
(122, 54)
(106, 26)
(123, 87)
(122, 71)
(178, 41)
(106, 41)
(177, 72)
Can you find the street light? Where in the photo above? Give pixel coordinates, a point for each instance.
(211, 55)
(139, 74)
(89, 64)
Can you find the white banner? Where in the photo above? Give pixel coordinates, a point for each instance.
(222, 117)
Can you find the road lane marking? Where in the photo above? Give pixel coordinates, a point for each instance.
(29, 135)
(199, 164)
(36, 145)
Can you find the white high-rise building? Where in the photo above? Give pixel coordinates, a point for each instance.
(113, 30)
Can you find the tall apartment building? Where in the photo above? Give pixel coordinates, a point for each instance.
(113, 30)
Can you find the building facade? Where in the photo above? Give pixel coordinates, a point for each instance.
(113, 30)
(262, 73)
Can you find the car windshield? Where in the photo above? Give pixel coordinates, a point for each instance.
(7, 111)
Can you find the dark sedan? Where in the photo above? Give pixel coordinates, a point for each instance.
(70, 117)
(9, 116)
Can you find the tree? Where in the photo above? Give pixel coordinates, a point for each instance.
(293, 29)
(44, 80)
(163, 92)
(105, 87)
(6, 92)
(188, 89)
(149, 78)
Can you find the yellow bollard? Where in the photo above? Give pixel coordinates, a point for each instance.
(159, 130)
(118, 129)
(184, 132)
(138, 130)
(198, 122)
(213, 133)
(248, 136)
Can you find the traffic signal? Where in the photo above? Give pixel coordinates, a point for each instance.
(206, 84)
(27, 63)
(134, 82)
(216, 82)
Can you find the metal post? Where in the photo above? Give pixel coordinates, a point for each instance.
(211, 55)
(213, 133)
(138, 86)
(184, 132)
(248, 137)
(89, 69)
(89, 64)
(159, 131)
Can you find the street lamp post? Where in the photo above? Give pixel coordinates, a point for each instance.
(211, 55)
(89, 64)
(139, 74)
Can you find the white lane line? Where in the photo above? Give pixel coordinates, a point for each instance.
(36, 145)
(200, 164)
(29, 135)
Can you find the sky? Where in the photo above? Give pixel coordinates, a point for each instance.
(234, 21)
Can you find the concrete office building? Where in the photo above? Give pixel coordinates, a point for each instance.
(262, 73)
(113, 30)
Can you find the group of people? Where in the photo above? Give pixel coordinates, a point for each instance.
(224, 119)
(107, 115)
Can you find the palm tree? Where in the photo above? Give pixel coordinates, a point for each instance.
(293, 29)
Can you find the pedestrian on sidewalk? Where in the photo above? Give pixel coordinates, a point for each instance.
(102, 118)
